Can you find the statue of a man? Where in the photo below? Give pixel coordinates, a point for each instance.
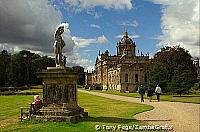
(58, 46)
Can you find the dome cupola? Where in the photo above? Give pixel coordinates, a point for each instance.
(125, 39)
(126, 46)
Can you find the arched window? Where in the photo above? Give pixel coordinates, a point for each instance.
(136, 78)
(126, 77)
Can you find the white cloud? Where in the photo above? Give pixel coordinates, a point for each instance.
(30, 25)
(86, 63)
(97, 15)
(5, 46)
(93, 12)
(76, 59)
(84, 42)
(94, 26)
(133, 23)
(180, 24)
(107, 4)
(133, 36)
(160, 37)
(102, 40)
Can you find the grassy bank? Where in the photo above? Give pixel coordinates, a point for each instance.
(102, 111)
(193, 98)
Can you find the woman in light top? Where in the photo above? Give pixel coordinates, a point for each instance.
(36, 104)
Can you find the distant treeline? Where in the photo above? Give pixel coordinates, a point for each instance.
(20, 69)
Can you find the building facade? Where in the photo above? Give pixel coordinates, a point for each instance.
(197, 65)
(88, 79)
(124, 71)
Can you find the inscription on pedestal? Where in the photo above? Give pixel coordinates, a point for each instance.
(59, 93)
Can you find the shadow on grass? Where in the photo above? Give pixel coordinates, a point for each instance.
(110, 120)
(186, 96)
(88, 119)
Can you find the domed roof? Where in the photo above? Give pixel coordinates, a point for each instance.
(126, 40)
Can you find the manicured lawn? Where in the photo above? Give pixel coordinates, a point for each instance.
(102, 111)
(171, 98)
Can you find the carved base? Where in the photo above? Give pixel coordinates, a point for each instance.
(60, 114)
(60, 96)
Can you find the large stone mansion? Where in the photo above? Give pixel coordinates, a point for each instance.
(124, 71)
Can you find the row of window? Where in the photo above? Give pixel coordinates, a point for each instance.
(136, 78)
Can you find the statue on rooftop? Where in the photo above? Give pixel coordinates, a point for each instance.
(58, 46)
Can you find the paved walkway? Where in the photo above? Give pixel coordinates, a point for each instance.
(184, 117)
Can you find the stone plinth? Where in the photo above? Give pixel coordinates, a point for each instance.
(60, 96)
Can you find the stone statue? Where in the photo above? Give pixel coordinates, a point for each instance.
(64, 60)
(58, 46)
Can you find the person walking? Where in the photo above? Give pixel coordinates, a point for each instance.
(141, 91)
(158, 92)
(149, 94)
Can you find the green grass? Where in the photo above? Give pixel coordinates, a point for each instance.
(192, 98)
(102, 111)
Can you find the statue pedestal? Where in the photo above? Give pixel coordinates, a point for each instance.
(60, 96)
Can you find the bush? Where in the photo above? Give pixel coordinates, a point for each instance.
(98, 87)
(196, 86)
(3, 89)
(7, 93)
(19, 93)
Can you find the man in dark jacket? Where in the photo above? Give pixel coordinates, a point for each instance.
(141, 91)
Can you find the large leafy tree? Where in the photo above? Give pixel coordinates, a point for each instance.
(173, 69)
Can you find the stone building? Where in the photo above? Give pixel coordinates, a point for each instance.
(88, 78)
(197, 65)
(124, 71)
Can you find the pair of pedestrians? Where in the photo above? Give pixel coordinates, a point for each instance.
(141, 91)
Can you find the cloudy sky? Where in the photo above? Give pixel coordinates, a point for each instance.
(93, 25)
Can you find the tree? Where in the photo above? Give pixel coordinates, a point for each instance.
(173, 69)
(5, 60)
(158, 75)
(21, 68)
(182, 80)
(40, 63)
(81, 74)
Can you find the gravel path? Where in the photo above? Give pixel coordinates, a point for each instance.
(184, 117)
